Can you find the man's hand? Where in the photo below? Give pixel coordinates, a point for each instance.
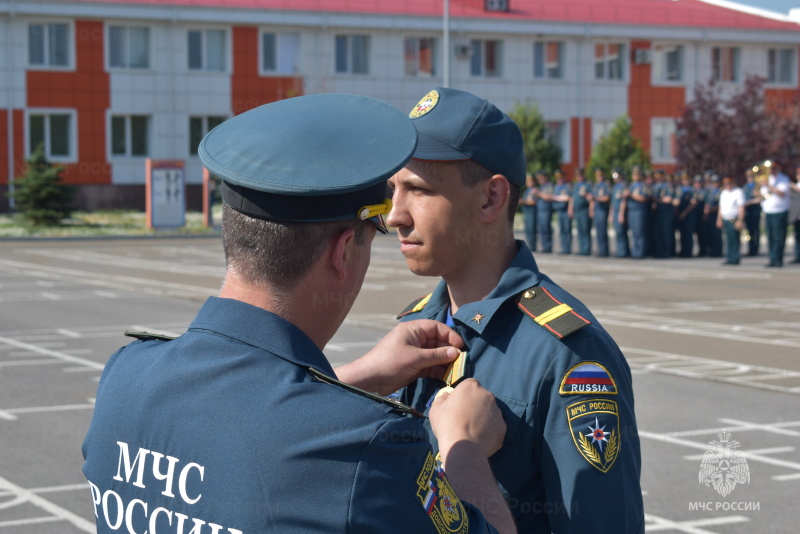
(467, 413)
(414, 349)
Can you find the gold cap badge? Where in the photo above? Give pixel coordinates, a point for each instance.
(427, 103)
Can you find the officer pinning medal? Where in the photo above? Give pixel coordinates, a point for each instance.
(241, 425)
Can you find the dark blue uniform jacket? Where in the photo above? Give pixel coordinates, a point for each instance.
(570, 461)
(228, 429)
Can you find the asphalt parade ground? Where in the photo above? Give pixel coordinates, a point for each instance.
(715, 353)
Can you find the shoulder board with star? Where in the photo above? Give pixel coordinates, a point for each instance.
(415, 306)
(396, 405)
(555, 317)
(147, 336)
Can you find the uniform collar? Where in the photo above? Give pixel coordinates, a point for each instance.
(262, 329)
(521, 274)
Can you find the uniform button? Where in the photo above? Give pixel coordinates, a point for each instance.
(528, 294)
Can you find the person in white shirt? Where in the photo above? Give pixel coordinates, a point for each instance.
(730, 216)
(776, 210)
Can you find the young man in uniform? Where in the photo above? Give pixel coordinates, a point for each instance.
(240, 425)
(570, 460)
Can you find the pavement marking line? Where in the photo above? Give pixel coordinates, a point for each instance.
(114, 260)
(48, 506)
(756, 426)
(782, 478)
(68, 333)
(52, 353)
(127, 283)
(18, 363)
(44, 409)
(707, 431)
(55, 489)
(665, 438)
(773, 450)
(708, 369)
(34, 521)
(654, 523)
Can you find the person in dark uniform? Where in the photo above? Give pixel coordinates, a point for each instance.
(752, 212)
(638, 209)
(664, 234)
(710, 212)
(571, 459)
(686, 213)
(578, 211)
(562, 193)
(699, 215)
(241, 424)
(619, 201)
(527, 203)
(544, 211)
(794, 213)
(599, 211)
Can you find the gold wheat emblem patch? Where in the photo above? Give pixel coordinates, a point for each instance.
(594, 425)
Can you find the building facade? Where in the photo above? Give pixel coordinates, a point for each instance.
(103, 85)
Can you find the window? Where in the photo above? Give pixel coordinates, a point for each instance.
(609, 61)
(780, 65)
(200, 126)
(207, 50)
(662, 147)
(49, 45)
(54, 132)
(548, 60)
(557, 134)
(418, 54)
(130, 135)
(600, 129)
(128, 47)
(280, 53)
(725, 63)
(668, 63)
(487, 58)
(352, 54)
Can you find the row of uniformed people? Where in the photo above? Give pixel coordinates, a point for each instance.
(646, 214)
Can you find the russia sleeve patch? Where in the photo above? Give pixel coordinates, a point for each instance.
(440, 502)
(588, 378)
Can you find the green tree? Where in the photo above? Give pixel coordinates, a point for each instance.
(540, 151)
(39, 197)
(619, 149)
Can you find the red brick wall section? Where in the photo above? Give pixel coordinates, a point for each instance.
(85, 90)
(3, 148)
(19, 147)
(248, 88)
(646, 101)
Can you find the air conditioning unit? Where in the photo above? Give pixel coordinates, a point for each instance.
(641, 56)
(496, 5)
(462, 50)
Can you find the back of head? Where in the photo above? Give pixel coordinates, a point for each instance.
(297, 172)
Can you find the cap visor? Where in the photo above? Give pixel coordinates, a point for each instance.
(380, 223)
(430, 148)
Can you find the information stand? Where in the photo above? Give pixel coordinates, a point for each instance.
(165, 193)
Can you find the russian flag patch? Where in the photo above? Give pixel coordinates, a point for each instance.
(588, 378)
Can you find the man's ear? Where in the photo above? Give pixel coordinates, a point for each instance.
(496, 194)
(341, 252)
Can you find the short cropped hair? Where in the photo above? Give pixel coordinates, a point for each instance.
(274, 253)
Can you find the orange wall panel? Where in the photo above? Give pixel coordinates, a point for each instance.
(87, 91)
(646, 101)
(248, 88)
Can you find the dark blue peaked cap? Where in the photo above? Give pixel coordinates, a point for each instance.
(456, 125)
(310, 159)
